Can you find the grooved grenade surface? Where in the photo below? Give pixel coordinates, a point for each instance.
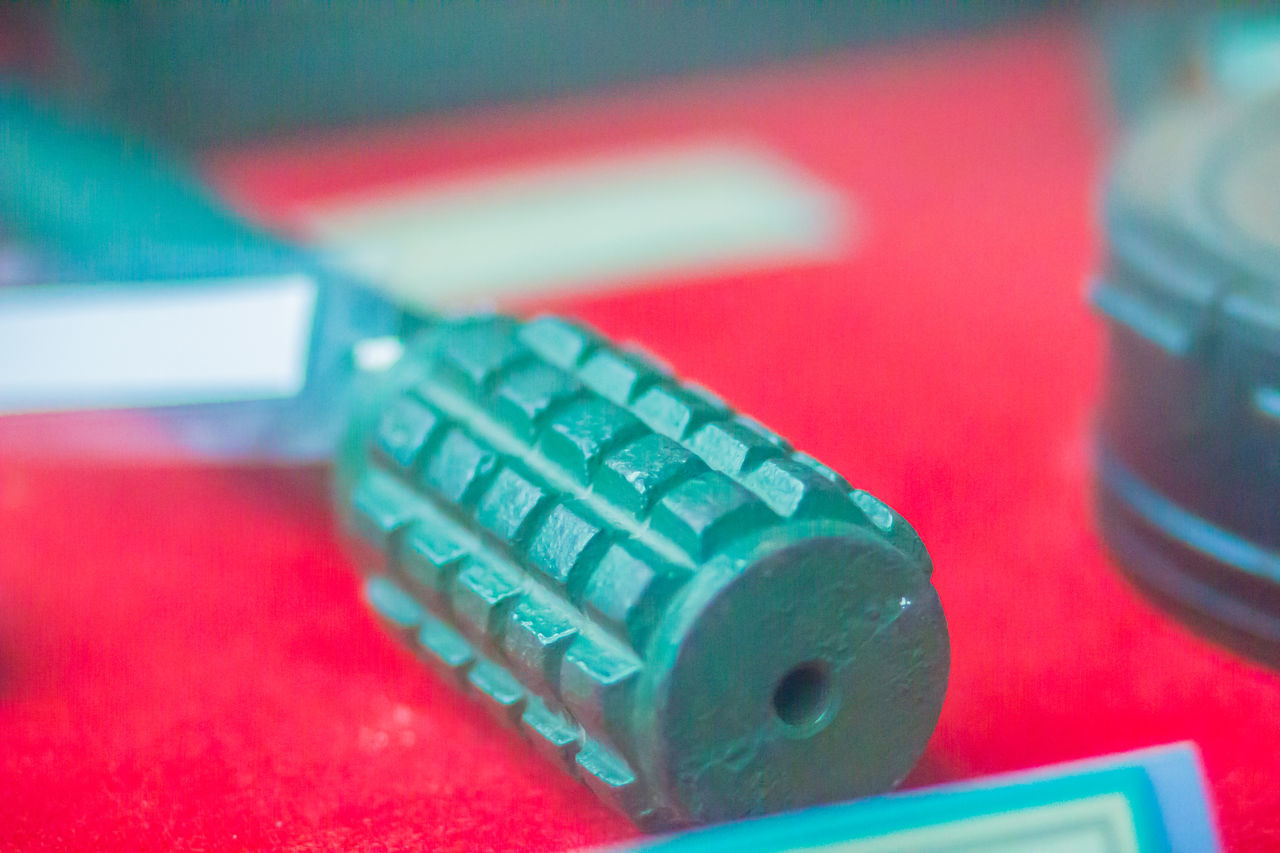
(699, 622)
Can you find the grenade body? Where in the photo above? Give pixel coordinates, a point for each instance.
(664, 597)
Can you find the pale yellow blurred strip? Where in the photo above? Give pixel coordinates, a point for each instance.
(638, 215)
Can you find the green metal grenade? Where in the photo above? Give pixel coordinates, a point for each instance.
(660, 594)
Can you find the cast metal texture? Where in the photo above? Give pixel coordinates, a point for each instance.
(663, 596)
(1189, 433)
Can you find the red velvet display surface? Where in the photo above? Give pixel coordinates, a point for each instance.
(184, 659)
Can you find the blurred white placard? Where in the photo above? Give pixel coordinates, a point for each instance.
(588, 223)
(130, 345)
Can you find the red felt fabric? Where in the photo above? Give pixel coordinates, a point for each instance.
(185, 662)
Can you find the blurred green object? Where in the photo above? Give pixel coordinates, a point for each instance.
(1157, 52)
(210, 72)
(88, 192)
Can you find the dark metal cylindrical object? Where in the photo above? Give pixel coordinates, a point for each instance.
(700, 622)
(1189, 433)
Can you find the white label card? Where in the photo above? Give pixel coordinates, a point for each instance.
(126, 345)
